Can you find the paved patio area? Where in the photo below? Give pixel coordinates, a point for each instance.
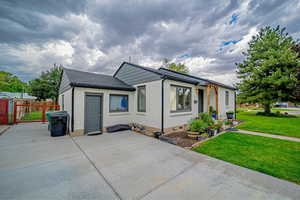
(122, 165)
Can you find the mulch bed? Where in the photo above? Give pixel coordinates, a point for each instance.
(182, 139)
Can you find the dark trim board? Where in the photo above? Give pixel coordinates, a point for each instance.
(101, 109)
(100, 87)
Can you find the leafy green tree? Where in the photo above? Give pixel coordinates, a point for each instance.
(296, 95)
(47, 85)
(268, 74)
(175, 67)
(11, 83)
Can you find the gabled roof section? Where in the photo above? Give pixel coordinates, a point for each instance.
(156, 71)
(93, 80)
(177, 76)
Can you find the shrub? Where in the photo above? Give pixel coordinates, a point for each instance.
(230, 112)
(212, 110)
(207, 118)
(197, 125)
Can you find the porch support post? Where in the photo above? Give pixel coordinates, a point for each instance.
(208, 97)
(217, 100)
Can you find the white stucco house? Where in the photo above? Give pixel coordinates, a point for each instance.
(157, 99)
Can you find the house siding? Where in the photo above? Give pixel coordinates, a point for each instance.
(222, 104)
(109, 118)
(64, 84)
(67, 100)
(133, 75)
(152, 116)
(180, 118)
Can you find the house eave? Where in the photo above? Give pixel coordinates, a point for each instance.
(83, 85)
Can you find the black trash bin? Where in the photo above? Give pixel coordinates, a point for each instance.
(59, 123)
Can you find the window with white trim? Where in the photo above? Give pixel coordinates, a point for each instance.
(141, 98)
(227, 98)
(118, 103)
(181, 98)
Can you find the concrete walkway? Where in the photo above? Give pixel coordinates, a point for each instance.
(269, 135)
(122, 165)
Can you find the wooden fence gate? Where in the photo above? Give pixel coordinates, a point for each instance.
(3, 111)
(32, 113)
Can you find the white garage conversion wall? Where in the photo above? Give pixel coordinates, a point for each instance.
(109, 118)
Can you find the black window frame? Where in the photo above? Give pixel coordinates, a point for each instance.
(138, 98)
(182, 110)
(118, 111)
(226, 98)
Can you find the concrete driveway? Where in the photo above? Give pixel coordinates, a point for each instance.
(122, 165)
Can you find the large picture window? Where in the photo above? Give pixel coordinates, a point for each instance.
(141, 92)
(118, 103)
(181, 99)
(227, 98)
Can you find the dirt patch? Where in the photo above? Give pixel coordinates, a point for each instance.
(182, 139)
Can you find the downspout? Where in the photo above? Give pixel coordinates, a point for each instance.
(162, 105)
(234, 105)
(72, 111)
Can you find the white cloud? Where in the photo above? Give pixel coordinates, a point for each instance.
(243, 44)
(197, 64)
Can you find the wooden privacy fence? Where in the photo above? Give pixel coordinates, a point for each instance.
(4, 111)
(32, 112)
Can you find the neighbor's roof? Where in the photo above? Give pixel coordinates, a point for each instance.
(16, 95)
(93, 80)
(177, 76)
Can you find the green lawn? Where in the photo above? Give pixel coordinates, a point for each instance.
(279, 158)
(286, 126)
(33, 116)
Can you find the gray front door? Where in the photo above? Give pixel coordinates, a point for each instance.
(93, 113)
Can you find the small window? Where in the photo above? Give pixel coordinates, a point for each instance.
(118, 103)
(227, 98)
(63, 102)
(141, 92)
(181, 99)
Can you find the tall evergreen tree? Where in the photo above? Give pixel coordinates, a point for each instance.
(268, 74)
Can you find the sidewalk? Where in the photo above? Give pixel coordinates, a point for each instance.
(269, 135)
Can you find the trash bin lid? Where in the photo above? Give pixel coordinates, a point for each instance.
(50, 114)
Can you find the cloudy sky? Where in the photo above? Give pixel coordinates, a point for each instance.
(97, 35)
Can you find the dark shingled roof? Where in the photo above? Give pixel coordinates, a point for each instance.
(177, 76)
(93, 80)
(201, 81)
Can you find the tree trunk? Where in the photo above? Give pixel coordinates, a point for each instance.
(267, 108)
